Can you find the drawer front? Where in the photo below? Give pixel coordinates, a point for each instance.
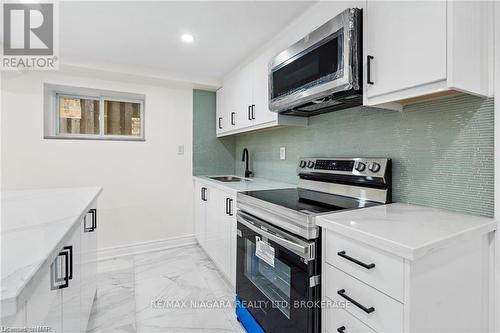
(380, 270)
(340, 321)
(386, 314)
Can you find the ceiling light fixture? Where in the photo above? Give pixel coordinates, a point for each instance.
(187, 38)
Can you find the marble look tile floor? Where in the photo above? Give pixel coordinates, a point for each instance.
(171, 291)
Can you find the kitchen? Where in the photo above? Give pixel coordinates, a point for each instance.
(230, 192)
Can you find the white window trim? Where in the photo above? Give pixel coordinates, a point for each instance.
(52, 110)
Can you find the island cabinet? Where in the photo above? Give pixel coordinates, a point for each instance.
(382, 284)
(61, 293)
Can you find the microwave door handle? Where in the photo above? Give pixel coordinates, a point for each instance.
(302, 250)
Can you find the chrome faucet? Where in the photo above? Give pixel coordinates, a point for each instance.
(245, 158)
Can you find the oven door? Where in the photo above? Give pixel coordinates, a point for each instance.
(322, 63)
(277, 277)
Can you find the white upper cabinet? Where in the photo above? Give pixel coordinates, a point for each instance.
(416, 49)
(221, 111)
(242, 102)
(407, 49)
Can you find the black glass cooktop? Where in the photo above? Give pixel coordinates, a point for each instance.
(309, 202)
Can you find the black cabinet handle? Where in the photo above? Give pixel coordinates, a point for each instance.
(204, 193)
(253, 111)
(220, 124)
(368, 69)
(67, 253)
(93, 211)
(232, 118)
(249, 112)
(341, 329)
(93, 225)
(227, 206)
(342, 294)
(85, 228)
(356, 261)
(69, 249)
(230, 207)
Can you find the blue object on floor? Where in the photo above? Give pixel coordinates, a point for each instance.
(246, 319)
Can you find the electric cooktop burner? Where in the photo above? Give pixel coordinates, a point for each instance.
(326, 185)
(309, 202)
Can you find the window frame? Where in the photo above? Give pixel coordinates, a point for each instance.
(101, 98)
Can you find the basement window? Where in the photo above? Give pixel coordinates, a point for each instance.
(82, 113)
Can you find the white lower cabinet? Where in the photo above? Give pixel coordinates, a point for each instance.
(88, 267)
(63, 291)
(44, 307)
(215, 227)
(71, 296)
(370, 290)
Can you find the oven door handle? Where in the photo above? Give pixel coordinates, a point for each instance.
(305, 250)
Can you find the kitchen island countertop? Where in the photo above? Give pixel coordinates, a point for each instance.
(35, 225)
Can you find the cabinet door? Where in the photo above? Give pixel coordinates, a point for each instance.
(221, 121)
(260, 92)
(242, 97)
(44, 307)
(407, 40)
(223, 249)
(213, 204)
(199, 214)
(232, 245)
(71, 296)
(88, 231)
(220, 233)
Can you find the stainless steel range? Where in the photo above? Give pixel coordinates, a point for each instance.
(278, 242)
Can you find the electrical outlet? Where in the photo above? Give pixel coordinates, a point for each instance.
(282, 153)
(180, 150)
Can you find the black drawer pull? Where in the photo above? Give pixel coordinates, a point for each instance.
(341, 329)
(249, 112)
(232, 118)
(356, 261)
(227, 206)
(220, 125)
(342, 294)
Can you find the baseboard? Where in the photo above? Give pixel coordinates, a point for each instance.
(145, 247)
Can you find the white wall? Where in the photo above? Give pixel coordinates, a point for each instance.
(147, 187)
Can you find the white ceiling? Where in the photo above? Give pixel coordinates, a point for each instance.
(147, 34)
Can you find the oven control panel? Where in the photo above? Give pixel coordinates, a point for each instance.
(369, 167)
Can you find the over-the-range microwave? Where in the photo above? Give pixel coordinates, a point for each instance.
(322, 71)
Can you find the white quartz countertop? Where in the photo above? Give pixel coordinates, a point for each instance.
(253, 184)
(409, 231)
(35, 223)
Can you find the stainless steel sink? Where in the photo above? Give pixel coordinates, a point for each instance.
(228, 179)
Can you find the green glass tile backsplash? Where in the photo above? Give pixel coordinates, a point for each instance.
(442, 150)
(211, 156)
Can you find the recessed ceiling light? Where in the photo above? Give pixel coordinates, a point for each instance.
(187, 38)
